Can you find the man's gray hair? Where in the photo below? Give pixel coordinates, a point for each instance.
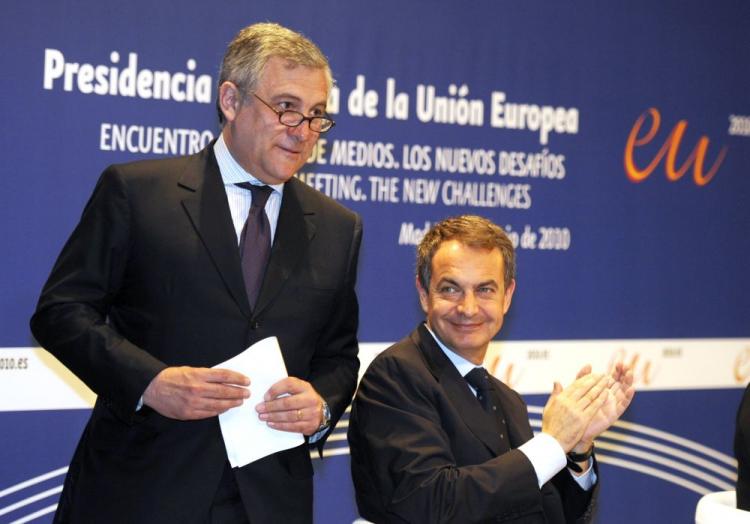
(248, 52)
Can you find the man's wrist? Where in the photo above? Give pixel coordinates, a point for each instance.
(575, 459)
(326, 422)
(581, 448)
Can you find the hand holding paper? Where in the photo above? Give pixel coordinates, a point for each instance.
(292, 405)
(187, 393)
(246, 437)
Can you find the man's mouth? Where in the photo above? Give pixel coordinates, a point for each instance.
(466, 326)
(289, 151)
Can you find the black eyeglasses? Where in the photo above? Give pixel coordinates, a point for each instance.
(290, 118)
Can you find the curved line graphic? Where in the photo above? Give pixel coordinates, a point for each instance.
(35, 515)
(647, 470)
(330, 452)
(705, 477)
(32, 481)
(31, 499)
(730, 474)
(658, 459)
(710, 452)
(667, 450)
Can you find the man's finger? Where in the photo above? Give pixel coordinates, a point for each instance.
(292, 427)
(616, 388)
(578, 389)
(219, 406)
(627, 377)
(225, 392)
(223, 376)
(291, 415)
(556, 389)
(306, 399)
(593, 392)
(285, 403)
(590, 410)
(288, 386)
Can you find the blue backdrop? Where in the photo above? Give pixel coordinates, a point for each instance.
(612, 139)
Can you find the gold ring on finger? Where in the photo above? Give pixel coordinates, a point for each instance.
(299, 414)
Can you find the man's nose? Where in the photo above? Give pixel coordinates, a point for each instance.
(468, 304)
(302, 132)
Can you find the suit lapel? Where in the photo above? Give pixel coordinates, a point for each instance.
(458, 392)
(294, 231)
(205, 202)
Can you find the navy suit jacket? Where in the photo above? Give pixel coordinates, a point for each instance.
(151, 278)
(742, 451)
(422, 449)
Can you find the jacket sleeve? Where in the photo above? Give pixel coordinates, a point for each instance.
(335, 365)
(71, 318)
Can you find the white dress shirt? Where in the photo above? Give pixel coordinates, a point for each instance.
(240, 199)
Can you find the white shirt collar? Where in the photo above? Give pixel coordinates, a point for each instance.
(462, 365)
(232, 172)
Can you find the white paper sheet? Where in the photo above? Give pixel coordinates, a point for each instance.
(246, 437)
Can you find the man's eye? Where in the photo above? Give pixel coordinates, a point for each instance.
(284, 106)
(448, 289)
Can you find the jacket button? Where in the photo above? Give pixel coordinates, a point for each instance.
(254, 325)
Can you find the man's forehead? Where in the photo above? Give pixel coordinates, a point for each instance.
(453, 259)
(282, 73)
(455, 247)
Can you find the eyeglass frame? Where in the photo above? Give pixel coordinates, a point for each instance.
(309, 119)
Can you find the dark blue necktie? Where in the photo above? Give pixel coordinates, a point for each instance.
(255, 241)
(479, 379)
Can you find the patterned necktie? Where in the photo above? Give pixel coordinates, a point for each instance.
(255, 241)
(480, 380)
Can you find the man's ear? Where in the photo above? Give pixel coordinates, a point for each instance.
(508, 296)
(230, 100)
(423, 298)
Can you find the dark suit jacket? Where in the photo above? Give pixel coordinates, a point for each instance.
(742, 451)
(151, 278)
(421, 452)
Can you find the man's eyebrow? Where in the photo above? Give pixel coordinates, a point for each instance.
(296, 99)
(287, 96)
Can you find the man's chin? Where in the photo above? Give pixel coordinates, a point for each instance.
(470, 338)
(279, 177)
(286, 170)
(290, 158)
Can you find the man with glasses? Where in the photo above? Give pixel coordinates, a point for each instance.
(180, 264)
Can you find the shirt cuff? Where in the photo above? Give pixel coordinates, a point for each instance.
(317, 436)
(587, 479)
(546, 455)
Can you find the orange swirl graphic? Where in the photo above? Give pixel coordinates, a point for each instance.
(670, 149)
